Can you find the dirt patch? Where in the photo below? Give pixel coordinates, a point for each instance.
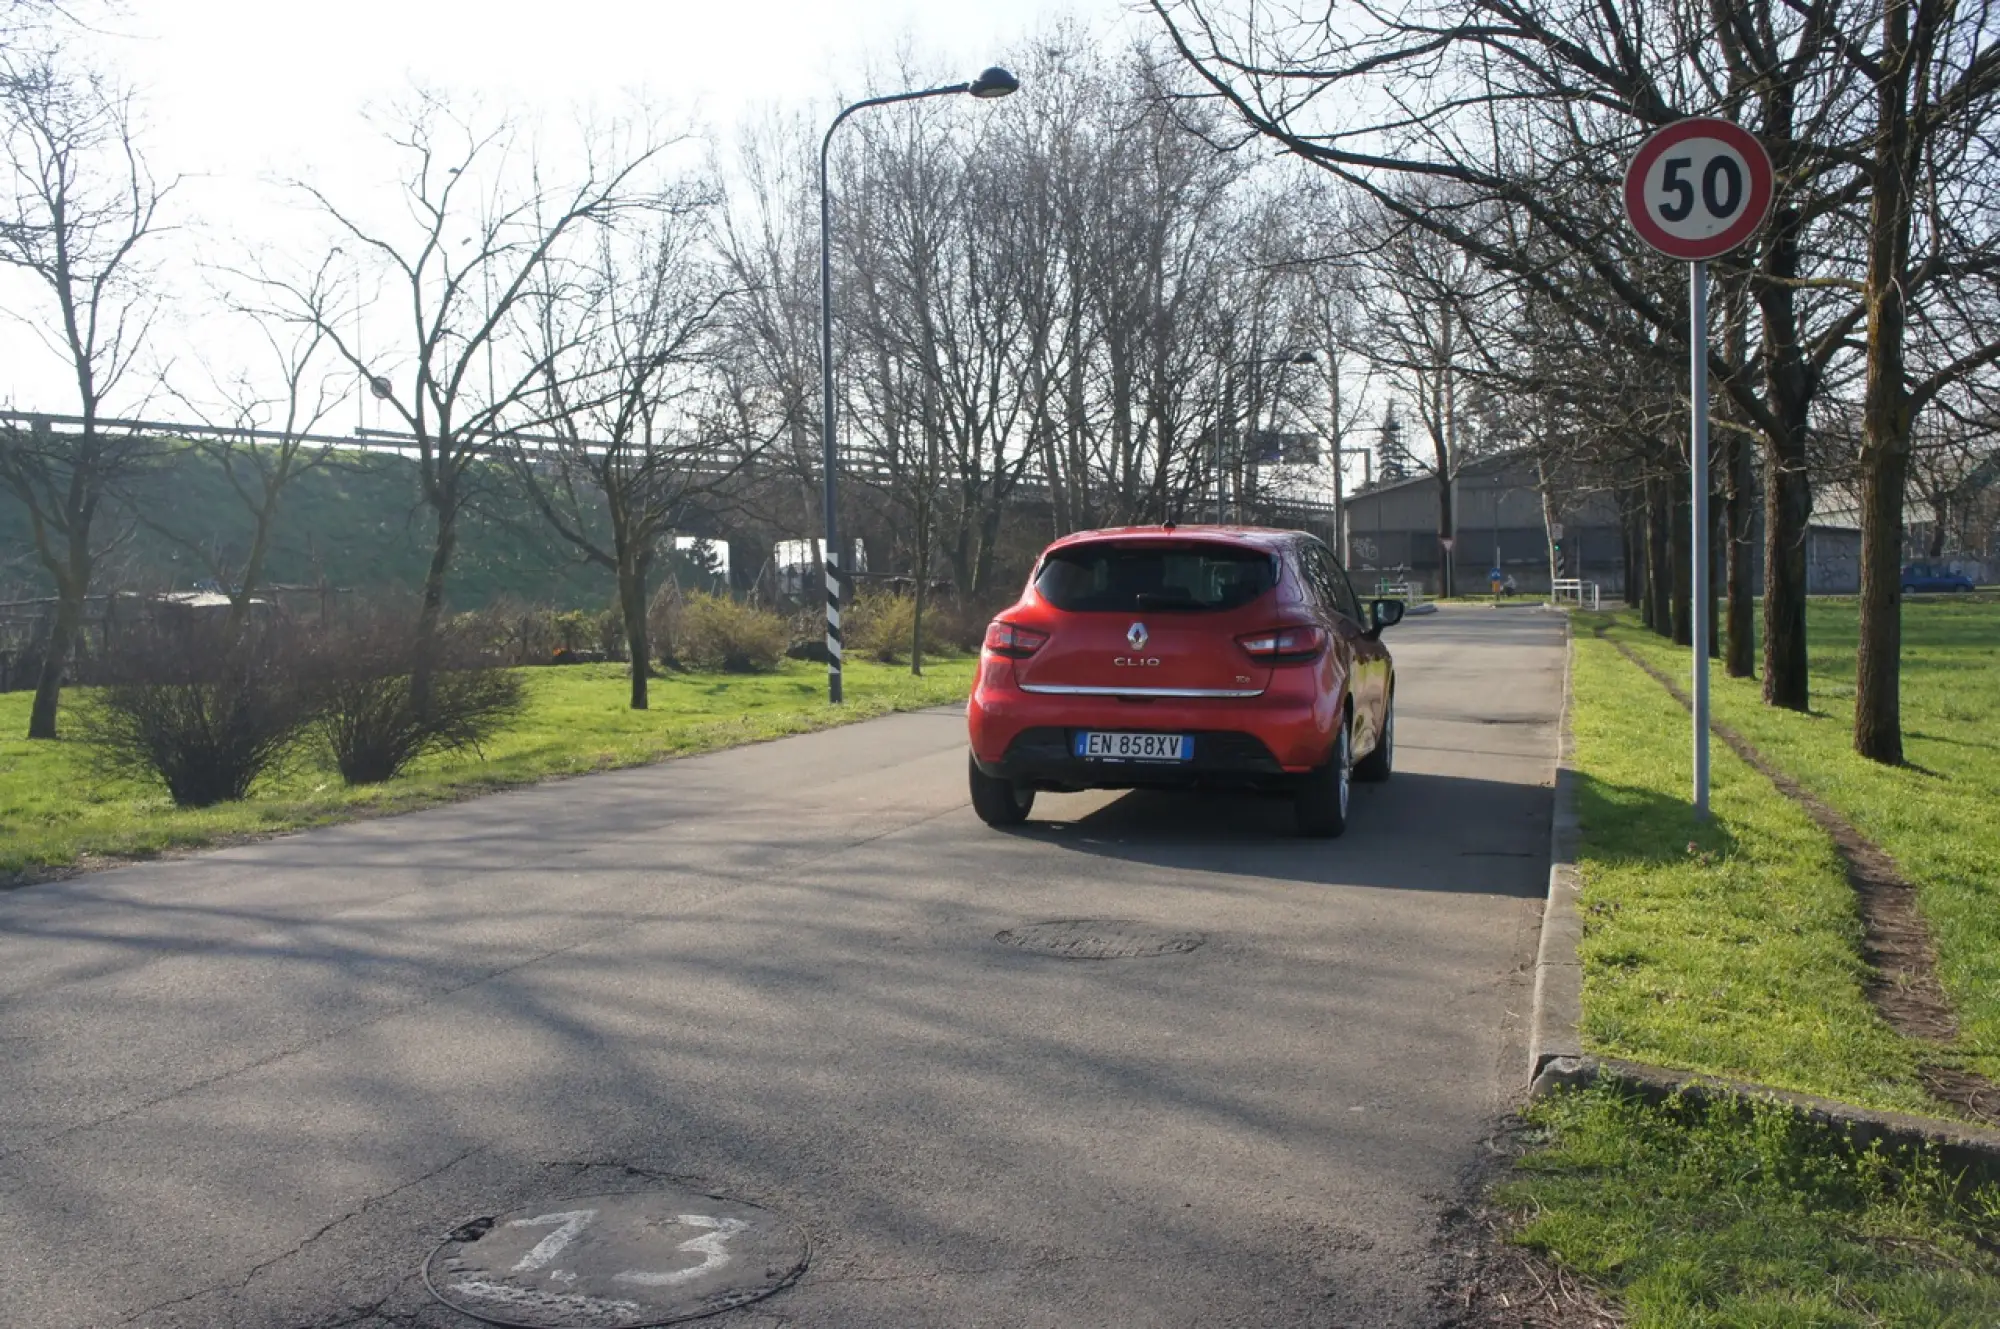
(1489, 1283)
(1896, 942)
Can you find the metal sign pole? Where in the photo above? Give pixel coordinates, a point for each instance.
(1736, 185)
(1698, 482)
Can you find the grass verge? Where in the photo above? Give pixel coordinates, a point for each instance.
(1741, 1214)
(1939, 816)
(1730, 947)
(1733, 948)
(56, 811)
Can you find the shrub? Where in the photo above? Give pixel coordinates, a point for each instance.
(203, 712)
(961, 622)
(879, 625)
(610, 626)
(366, 706)
(716, 632)
(663, 626)
(574, 629)
(504, 633)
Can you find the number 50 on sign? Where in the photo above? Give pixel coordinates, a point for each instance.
(1698, 188)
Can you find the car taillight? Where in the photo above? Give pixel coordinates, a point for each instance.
(1012, 640)
(1285, 645)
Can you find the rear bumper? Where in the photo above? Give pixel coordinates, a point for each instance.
(1045, 757)
(1284, 732)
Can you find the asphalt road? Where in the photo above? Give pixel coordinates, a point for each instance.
(252, 1088)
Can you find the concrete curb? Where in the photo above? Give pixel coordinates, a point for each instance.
(1969, 1152)
(1558, 1002)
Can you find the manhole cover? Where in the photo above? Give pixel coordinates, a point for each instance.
(1099, 939)
(615, 1261)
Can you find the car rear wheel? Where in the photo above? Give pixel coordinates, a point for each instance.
(1321, 802)
(1375, 767)
(998, 802)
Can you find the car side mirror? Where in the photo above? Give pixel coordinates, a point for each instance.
(1383, 614)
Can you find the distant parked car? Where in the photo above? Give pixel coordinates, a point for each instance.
(1933, 577)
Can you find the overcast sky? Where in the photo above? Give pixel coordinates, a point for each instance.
(236, 92)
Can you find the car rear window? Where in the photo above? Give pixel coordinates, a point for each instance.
(1122, 579)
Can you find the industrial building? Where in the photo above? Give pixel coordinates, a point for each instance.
(1393, 535)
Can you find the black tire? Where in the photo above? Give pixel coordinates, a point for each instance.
(1377, 765)
(998, 802)
(1321, 802)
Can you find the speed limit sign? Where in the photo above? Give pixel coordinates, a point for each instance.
(1698, 188)
(1694, 191)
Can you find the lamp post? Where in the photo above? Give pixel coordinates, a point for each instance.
(994, 82)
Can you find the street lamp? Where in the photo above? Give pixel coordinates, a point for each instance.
(994, 82)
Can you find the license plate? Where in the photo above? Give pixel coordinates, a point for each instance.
(1134, 747)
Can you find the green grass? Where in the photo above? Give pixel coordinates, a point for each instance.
(1734, 948)
(1938, 817)
(56, 811)
(1493, 600)
(1744, 1215)
(1730, 948)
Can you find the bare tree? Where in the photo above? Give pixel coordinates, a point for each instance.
(482, 231)
(1933, 180)
(1532, 108)
(262, 442)
(82, 202)
(768, 237)
(629, 391)
(1421, 307)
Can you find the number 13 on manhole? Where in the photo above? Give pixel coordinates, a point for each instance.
(1698, 188)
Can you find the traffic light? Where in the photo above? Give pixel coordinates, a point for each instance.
(1561, 560)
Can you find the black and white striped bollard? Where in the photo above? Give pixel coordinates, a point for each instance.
(832, 629)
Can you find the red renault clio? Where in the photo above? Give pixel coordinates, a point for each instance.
(1177, 657)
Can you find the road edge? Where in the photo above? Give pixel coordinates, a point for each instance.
(1558, 1000)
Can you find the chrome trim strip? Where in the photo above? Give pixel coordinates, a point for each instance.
(1067, 690)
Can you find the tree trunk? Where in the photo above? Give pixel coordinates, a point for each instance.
(632, 599)
(1659, 574)
(1790, 384)
(1940, 514)
(1707, 588)
(1878, 725)
(1787, 509)
(1886, 410)
(1740, 660)
(253, 567)
(1631, 551)
(1681, 537)
(432, 610)
(62, 640)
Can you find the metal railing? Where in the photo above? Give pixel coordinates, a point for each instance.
(1566, 587)
(1409, 592)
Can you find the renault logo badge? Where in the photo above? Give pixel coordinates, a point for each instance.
(1135, 636)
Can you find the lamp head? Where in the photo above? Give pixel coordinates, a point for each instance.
(1305, 358)
(994, 82)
